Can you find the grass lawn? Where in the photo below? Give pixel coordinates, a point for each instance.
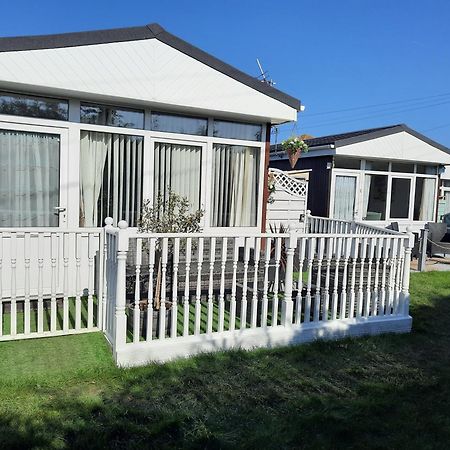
(378, 392)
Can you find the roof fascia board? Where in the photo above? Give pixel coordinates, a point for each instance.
(387, 132)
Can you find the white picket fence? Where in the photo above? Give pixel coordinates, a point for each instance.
(170, 295)
(49, 284)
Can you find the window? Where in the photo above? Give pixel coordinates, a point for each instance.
(29, 179)
(110, 115)
(111, 171)
(427, 170)
(347, 163)
(375, 192)
(402, 167)
(400, 198)
(381, 166)
(172, 123)
(178, 167)
(237, 130)
(33, 106)
(424, 199)
(235, 185)
(345, 196)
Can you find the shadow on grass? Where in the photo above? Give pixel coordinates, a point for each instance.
(385, 391)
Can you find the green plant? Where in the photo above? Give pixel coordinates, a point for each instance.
(294, 144)
(169, 213)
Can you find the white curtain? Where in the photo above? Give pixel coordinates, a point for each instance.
(111, 168)
(29, 179)
(235, 186)
(93, 151)
(428, 199)
(344, 197)
(366, 196)
(178, 167)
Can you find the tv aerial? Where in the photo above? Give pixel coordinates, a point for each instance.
(264, 76)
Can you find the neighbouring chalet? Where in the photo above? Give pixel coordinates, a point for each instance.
(92, 123)
(381, 175)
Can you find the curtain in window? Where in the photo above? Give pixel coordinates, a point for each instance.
(29, 179)
(344, 197)
(366, 195)
(428, 200)
(178, 167)
(234, 186)
(111, 168)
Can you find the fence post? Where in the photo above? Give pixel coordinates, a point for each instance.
(120, 334)
(423, 249)
(102, 271)
(404, 296)
(308, 221)
(287, 306)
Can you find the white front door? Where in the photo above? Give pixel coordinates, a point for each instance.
(345, 197)
(33, 176)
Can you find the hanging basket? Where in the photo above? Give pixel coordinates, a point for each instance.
(293, 157)
(294, 147)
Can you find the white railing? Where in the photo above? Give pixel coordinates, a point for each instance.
(49, 283)
(177, 294)
(317, 224)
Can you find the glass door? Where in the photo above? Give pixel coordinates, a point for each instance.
(30, 177)
(345, 197)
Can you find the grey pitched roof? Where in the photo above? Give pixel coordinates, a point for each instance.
(151, 31)
(352, 137)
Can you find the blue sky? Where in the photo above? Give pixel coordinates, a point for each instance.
(333, 55)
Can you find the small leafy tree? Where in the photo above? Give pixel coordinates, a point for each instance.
(168, 214)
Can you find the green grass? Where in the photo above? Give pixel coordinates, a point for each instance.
(6, 317)
(390, 391)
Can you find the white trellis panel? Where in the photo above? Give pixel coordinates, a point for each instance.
(290, 201)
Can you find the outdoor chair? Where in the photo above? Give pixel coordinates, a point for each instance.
(438, 239)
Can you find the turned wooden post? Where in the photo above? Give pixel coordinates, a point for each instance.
(404, 296)
(120, 334)
(287, 305)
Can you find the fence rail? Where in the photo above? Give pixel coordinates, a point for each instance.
(317, 224)
(177, 294)
(48, 282)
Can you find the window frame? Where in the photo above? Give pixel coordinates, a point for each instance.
(390, 174)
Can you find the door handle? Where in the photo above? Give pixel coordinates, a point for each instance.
(59, 209)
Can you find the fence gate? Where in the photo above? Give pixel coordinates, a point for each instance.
(287, 202)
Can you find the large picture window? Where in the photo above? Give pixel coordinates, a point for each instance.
(375, 193)
(235, 185)
(29, 179)
(400, 192)
(424, 199)
(178, 167)
(111, 171)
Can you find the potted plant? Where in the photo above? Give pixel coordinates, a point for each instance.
(170, 213)
(294, 146)
(271, 188)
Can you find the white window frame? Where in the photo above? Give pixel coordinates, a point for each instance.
(64, 173)
(69, 158)
(360, 191)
